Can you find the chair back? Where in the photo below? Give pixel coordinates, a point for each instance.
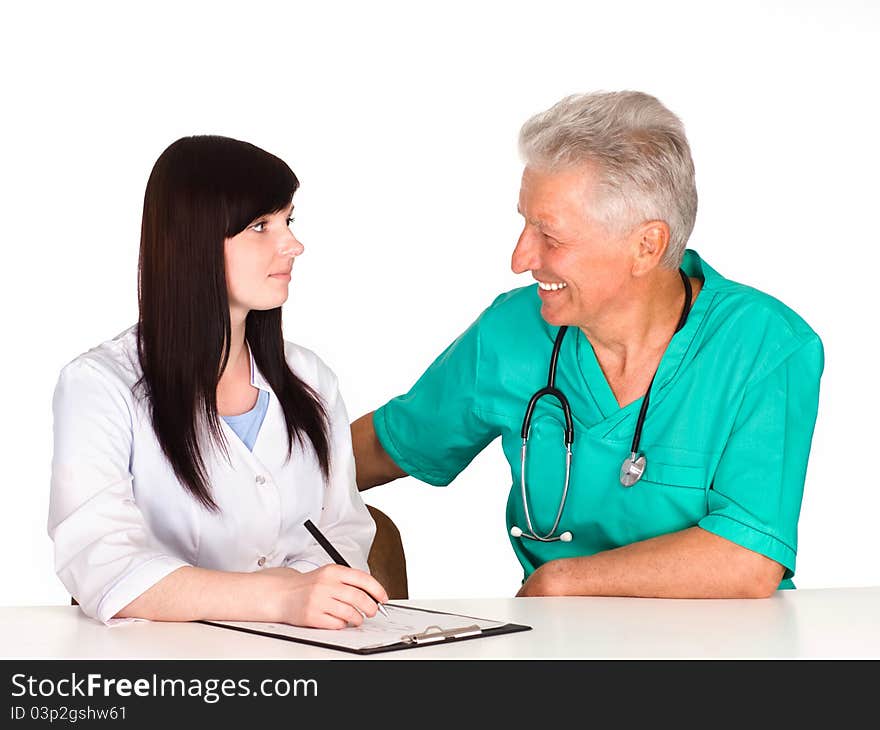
(387, 561)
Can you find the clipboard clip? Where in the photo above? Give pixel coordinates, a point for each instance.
(438, 634)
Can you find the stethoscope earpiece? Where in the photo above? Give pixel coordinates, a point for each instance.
(564, 537)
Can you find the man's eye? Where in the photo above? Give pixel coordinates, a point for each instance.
(259, 227)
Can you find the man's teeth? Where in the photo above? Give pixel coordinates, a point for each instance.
(551, 287)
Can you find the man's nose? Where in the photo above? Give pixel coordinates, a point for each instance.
(525, 255)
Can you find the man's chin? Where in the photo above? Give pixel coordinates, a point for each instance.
(553, 316)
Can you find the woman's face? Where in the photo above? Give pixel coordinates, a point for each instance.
(258, 262)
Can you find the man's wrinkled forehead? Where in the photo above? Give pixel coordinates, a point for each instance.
(546, 195)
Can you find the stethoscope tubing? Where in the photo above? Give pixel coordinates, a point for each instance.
(633, 466)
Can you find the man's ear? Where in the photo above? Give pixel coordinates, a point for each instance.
(650, 241)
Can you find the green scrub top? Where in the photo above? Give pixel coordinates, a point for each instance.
(727, 434)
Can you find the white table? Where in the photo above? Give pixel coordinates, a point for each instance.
(826, 623)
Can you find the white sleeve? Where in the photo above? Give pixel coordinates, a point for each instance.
(105, 554)
(345, 520)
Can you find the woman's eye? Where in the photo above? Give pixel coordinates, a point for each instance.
(290, 221)
(259, 227)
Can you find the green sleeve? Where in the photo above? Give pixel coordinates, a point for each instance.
(755, 497)
(433, 431)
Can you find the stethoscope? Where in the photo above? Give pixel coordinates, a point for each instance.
(633, 465)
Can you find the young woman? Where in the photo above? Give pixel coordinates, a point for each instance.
(190, 449)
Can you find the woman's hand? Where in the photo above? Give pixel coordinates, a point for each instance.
(329, 597)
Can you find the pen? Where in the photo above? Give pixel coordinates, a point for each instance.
(334, 553)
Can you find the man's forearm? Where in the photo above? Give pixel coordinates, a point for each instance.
(693, 563)
(372, 462)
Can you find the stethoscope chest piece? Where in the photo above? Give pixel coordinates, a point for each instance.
(632, 469)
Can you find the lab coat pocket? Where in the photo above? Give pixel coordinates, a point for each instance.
(675, 475)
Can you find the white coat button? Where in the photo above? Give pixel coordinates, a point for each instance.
(262, 561)
(260, 479)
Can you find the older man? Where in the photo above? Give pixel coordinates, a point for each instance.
(656, 416)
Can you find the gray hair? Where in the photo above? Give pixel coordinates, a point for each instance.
(640, 149)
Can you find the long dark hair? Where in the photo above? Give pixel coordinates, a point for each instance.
(201, 191)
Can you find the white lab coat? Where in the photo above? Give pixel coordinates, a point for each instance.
(121, 521)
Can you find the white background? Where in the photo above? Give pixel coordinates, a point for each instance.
(401, 122)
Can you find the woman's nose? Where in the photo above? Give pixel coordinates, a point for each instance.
(290, 246)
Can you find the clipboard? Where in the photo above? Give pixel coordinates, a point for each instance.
(356, 640)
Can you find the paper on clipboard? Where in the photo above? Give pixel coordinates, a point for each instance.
(404, 626)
